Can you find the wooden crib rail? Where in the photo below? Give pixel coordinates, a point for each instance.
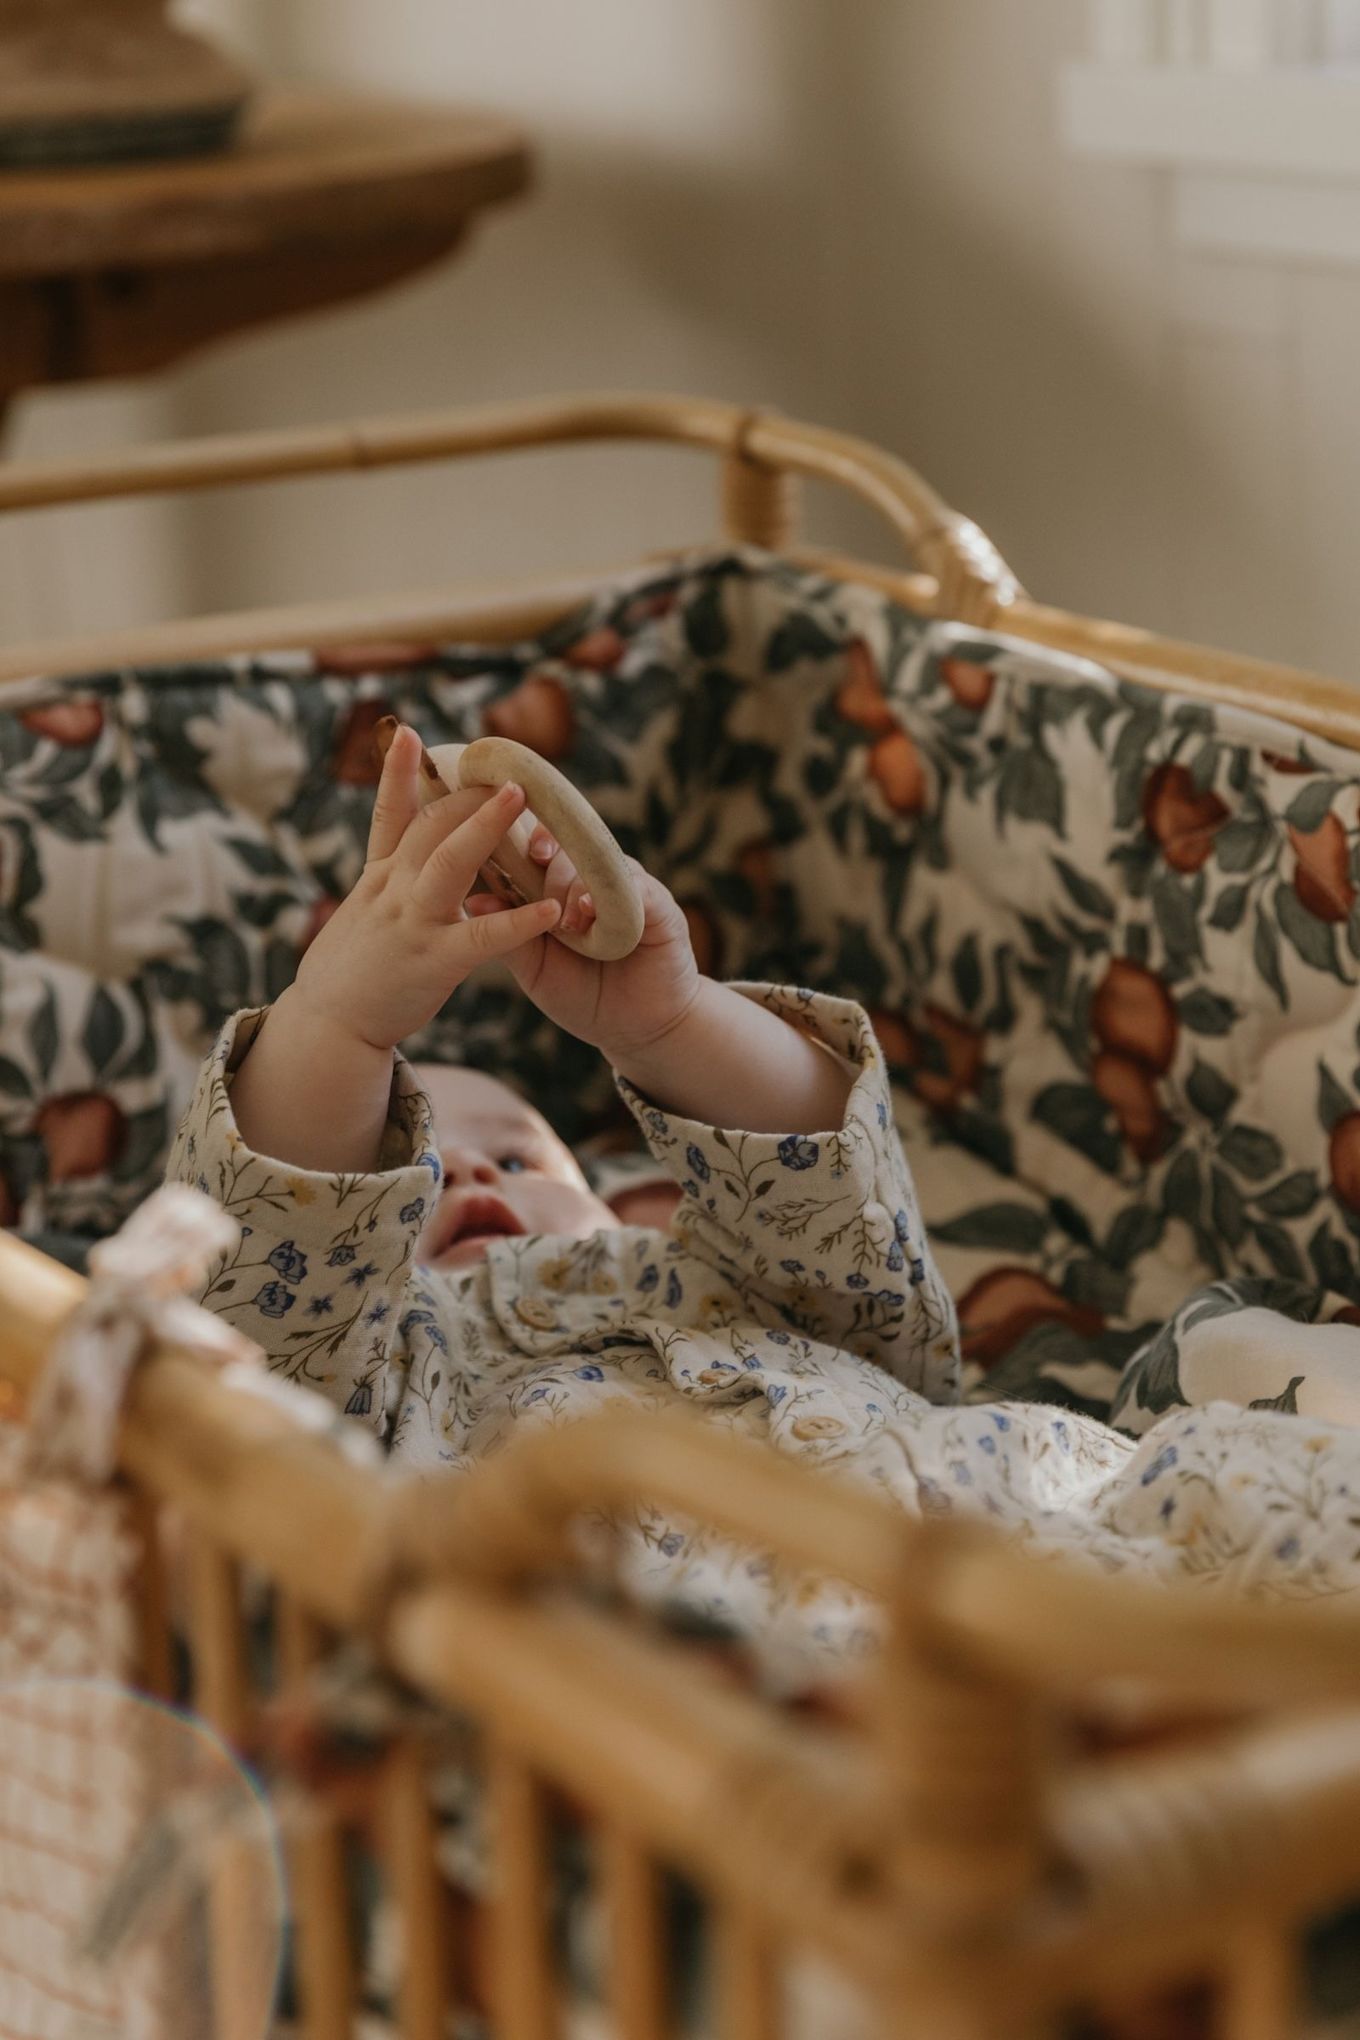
(962, 576)
(505, 1522)
(760, 450)
(284, 1499)
(935, 1900)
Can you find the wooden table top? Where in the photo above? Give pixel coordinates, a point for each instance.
(313, 169)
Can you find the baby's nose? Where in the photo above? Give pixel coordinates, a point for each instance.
(463, 1165)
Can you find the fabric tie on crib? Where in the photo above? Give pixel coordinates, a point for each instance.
(136, 1300)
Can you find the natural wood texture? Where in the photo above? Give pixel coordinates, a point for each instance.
(964, 577)
(222, 1697)
(526, 2003)
(746, 1979)
(482, 615)
(630, 1885)
(795, 1836)
(557, 804)
(759, 502)
(970, 573)
(417, 1890)
(1263, 1997)
(120, 270)
(325, 1957)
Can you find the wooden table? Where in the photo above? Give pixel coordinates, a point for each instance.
(111, 272)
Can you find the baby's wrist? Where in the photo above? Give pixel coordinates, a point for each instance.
(314, 1027)
(650, 1065)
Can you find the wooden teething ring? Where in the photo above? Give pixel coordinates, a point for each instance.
(554, 801)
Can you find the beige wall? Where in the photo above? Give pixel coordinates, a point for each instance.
(856, 209)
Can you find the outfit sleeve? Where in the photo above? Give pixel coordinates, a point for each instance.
(319, 1274)
(819, 1232)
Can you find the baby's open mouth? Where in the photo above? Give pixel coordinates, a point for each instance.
(471, 1223)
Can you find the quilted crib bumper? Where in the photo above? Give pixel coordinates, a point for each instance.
(1110, 938)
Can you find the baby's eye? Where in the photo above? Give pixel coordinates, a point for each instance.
(511, 1165)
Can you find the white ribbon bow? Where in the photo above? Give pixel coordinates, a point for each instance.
(135, 1300)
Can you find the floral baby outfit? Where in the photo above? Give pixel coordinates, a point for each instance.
(794, 1299)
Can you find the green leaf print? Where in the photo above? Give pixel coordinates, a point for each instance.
(1292, 1197)
(706, 631)
(1134, 1233)
(1176, 921)
(1310, 808)
(1314, 940)
(1031, 789)
(1009, 1228)
(1085, 893)
(103, 1032)
(43, 1035)
(967, 973)
(799, 636)
(1183, 1190)
(1229, 1212)
(1210, 1092)
(1287, 1401)
(1240, 844)
(1230, 907)
(1283, 1256)
(1078, 1115)
(1266, 955)
(13, 1082)
(1204, 1012)
(1252, 1152)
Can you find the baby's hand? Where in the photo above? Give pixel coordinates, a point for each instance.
(619, 1007)
(403, 941)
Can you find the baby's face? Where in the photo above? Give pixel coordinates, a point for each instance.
(505, 1171)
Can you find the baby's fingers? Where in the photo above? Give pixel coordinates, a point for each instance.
(487, 935)
(448, 873)
(398, 797)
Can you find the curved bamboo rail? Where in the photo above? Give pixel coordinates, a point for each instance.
(961, 574)
(947, 544)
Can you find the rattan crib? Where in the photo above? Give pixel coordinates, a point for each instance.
(955, 1839)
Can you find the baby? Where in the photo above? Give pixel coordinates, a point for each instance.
(448, 1286)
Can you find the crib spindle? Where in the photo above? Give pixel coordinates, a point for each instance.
(222, 1699)
(155, 1663)
(1262, 1999)
(526, 2003)
(637, 1941)
(413, 1873)
(746, 1978)
(325, 1957)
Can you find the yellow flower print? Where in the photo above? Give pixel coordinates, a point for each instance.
(301, 1191)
